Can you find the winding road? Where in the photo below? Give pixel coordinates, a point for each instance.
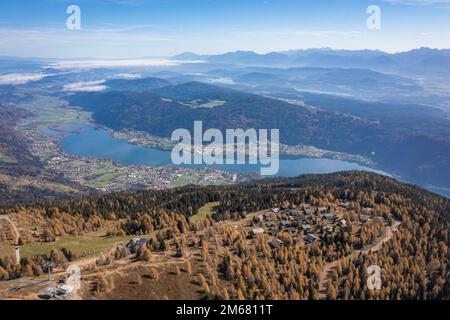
(323, 279)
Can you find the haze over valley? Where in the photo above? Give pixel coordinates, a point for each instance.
(225, 150)
(389, 121)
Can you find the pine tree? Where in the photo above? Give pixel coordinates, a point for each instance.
(224, 295)
(331, 291)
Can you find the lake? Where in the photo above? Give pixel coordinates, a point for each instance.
(97, 143)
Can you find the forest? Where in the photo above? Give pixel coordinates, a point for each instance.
(414, 261)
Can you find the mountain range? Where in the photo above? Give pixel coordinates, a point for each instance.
(422, 59)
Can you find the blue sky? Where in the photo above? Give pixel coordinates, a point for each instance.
(139, 28)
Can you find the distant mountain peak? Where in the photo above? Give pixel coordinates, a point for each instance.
(188, 56)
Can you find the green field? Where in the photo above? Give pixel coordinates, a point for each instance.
(212, 104)
(205, 211)
(102, 176)
(183, 181)
(86, 245)
(49, 111)
(49, 185)
(6, 159)
(195, 180)
(199, 103)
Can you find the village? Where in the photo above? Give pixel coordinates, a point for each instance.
(106, 175)
(304, 224)
(308, 224)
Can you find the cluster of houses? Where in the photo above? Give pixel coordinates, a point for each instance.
(304, 222)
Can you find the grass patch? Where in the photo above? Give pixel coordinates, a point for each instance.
(102, 179)
(58, 187)
(199, 103)
(83, 246)
(205, 211)
(102, 175)
(184, 181)
(212, 104)
(6, 159)
(49, 111)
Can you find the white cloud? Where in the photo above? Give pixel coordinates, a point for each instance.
(126, 76)
(107, 42)
(88, 86)
(228, 81)
(20, 78)
(320, 33)
(95, 64)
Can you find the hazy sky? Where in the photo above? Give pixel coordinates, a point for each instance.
(138, 28)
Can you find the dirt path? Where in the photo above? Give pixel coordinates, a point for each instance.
(120, 267)
(16, 231)
(329, 267)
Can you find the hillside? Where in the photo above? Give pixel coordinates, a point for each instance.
(22, 176)
(381, 132)
(13, 153)
(401, 228)
(158, 115)
(340, 80)
(137, 85)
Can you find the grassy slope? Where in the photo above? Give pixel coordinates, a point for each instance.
(205, 211)
(85, 245)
